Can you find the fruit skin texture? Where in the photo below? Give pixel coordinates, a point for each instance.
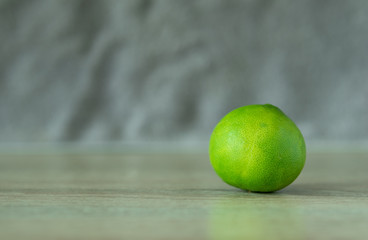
(257, 148)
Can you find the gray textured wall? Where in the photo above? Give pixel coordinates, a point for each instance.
(169, 70)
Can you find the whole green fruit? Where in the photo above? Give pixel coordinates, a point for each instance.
(257, 148)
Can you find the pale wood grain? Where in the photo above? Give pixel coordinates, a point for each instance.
(175, 196)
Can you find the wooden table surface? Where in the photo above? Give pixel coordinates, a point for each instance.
(175, 196)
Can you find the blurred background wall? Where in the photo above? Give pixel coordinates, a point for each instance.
(167, 71)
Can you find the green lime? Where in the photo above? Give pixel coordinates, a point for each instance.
(257, 148)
